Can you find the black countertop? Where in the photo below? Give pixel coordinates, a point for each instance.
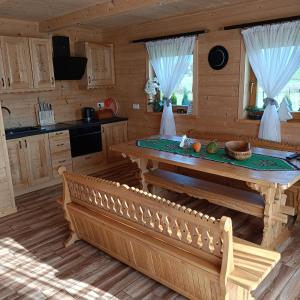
(10, 134)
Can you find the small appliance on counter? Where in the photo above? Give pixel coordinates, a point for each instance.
(88, 114)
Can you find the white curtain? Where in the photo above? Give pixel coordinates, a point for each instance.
(274, 55)
(170, 60)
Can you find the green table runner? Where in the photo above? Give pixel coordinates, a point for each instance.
(255, 162)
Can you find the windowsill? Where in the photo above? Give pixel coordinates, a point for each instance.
(292, 123)
(176, 115)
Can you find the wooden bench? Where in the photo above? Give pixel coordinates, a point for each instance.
(293, 193)
(233, 198)
(181, 248)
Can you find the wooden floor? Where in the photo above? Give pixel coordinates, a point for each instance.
(35, 265)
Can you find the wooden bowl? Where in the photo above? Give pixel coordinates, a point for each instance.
(239, 150)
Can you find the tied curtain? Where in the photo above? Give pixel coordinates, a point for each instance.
(170, 60)
(274, 55)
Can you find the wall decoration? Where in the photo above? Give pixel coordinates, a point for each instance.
(218, 57)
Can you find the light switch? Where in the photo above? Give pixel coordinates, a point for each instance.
(135, 106)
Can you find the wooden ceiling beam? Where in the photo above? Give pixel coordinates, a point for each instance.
(106, 9)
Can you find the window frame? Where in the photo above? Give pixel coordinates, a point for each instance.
(253, 91)
(149, 74)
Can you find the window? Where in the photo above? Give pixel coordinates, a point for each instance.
(291, 90)
(183, 96)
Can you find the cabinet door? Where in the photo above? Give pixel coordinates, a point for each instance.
(18, 166)
(3, 80)
(100, 66)
(7, 200)
(112, 134)
(42, 65)
(38, 159)
(17, 60)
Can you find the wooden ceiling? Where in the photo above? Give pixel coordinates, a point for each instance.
(39, 10)
(57, 14)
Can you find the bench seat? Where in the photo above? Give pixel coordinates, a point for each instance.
(252, 264)
(241, 200)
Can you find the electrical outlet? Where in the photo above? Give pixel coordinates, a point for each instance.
(135, 106)
(100, 105)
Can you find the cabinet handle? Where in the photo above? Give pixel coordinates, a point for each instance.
(20, 144)
(2, 79)
(62, 161)
(58, 133)
(8, 79)
(59, 145)
(26, 143)
(52, 80)
(89, 79)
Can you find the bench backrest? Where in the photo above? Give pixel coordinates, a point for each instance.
(175, 225)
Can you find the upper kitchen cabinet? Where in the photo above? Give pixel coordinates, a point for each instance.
(25, 64)
(42, 65)
(3, 82)
(16, 56)
(100, 69)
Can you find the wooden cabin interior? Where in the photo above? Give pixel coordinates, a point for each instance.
(150, 149)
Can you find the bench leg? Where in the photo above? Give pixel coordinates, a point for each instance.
(71, 239)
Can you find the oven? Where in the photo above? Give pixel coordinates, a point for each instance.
(85, 140)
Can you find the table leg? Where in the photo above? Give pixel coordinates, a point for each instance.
(275, 214)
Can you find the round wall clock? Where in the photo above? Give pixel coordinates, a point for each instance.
(218, 57)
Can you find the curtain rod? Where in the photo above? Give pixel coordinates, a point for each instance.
(168, 37)
(273, 21)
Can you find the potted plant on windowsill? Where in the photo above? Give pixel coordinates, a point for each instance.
(254, 112)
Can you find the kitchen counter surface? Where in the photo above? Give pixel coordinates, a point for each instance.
(11, 134)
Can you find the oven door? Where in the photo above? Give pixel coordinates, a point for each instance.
(85, 140)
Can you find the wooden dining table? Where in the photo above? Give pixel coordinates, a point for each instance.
(270, 184)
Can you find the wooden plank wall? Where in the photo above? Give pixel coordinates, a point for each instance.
(219, 92)
(68, 96)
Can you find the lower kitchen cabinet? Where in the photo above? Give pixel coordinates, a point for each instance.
(112, 134)
(34, 160)
(38, 159)
(7, 200)
(18, 164)
(60, 149)
(30, 162)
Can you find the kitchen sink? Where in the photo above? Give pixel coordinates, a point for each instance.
(17, 130)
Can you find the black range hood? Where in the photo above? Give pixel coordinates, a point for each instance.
(65, 66)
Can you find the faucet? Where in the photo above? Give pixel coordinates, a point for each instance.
(6, 108)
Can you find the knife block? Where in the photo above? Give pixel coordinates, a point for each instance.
(45, 117)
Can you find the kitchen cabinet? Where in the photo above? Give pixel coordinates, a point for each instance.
(42, 65)
(38, 159)
(34, 160)
(100, 69)
(18, 165)
(60, 149)
(25, 64)
(3, 83)
(16, 56)
(7, 199)
(112, 134)
(30, 162)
